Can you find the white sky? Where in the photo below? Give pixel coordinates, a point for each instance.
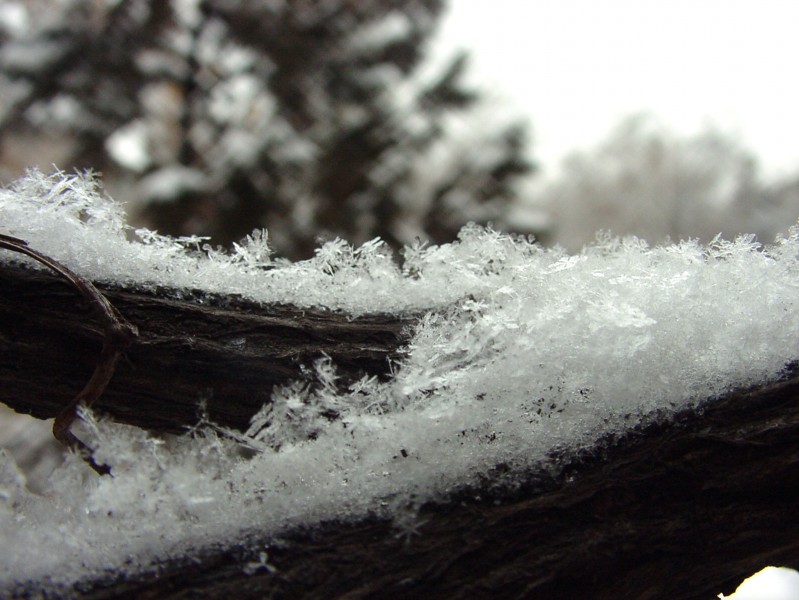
(577, 67)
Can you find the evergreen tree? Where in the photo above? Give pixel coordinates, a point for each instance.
(307, 118)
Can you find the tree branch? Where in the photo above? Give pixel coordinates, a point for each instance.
(118, 335)
(685, 508)
(222, 351)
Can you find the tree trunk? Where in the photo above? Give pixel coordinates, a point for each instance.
(682, 509)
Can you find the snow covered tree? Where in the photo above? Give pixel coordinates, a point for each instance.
(648, 182)
(310, 119)
(778, 205)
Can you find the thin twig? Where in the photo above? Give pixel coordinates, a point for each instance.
(119, 334)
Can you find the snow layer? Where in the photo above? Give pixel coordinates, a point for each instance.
(523, 352)
(771, 583)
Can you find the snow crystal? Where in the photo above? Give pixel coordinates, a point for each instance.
(519, 350)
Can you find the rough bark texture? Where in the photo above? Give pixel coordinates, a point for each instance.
(683, 509)
(221, 350)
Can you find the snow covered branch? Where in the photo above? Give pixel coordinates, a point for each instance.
(118, 335)
(223, 352)
(683, 509)
(551, 421)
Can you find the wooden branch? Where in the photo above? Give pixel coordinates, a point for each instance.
(118, 335)
(222, 351)
(685, 509)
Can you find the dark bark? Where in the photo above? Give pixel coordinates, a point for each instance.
(223, 351)
(684, 508)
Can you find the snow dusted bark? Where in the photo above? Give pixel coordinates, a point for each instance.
(221, 352)
(555, 427)
(681, 508)
(677, 510)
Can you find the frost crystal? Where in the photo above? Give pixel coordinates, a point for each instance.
(520, 350)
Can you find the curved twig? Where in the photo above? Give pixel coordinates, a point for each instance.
(119, 334)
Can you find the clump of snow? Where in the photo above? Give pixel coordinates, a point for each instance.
(168, 183)
(771, 583)
(128, 146)
(521, 351)
(31, 57)
(395, 27)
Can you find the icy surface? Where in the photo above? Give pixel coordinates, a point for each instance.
(521, 351)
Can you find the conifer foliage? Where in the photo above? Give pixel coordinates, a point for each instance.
(308, 118)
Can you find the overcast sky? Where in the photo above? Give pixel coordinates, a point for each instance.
(577, 67)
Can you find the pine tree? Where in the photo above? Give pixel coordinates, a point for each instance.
(308, 118)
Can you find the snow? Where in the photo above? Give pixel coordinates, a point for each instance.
(13, 19)
(772, 583)
(31, 57)
(520, 351)
(391, 29)
(170, 182)
(188, 13)
(128, 146)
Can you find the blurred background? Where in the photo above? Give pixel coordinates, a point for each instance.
(407, 119)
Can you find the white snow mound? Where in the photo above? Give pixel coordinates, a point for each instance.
(771, 583)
